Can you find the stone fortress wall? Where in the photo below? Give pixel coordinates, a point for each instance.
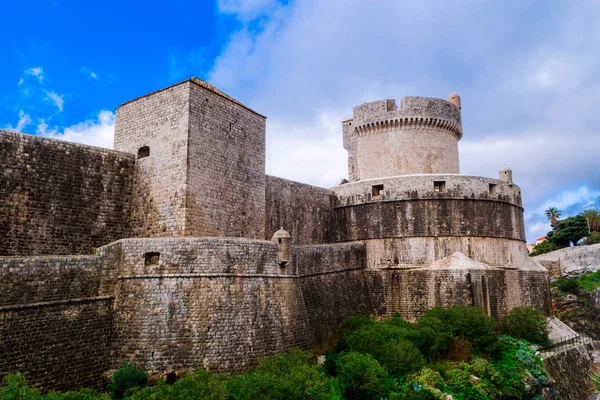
(58, 197)
(194, 279)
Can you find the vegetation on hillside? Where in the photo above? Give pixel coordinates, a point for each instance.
(574, 302)
(569, 230)
(458, 352)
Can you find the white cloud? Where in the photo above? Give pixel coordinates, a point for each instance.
(24, 121)
(245, 9)
(55, 98)
(93, 75)
(38, 72)
(97, 132)
(20, 82)
(583, 197)
(320, 161)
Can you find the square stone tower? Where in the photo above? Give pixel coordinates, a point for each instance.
(201, 162)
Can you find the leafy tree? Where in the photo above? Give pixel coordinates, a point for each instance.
(526, 323)
(552, 214)
(569, 230)
(545, 247)
(593, 217)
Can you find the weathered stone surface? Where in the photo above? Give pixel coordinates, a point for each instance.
(570, 369)
(205, 172)
(571, 261)
(303, 209)
(383, 140)
(58, 197)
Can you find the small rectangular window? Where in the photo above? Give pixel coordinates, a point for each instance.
(492, 187)
(151, 258)
(439, 186)
(377, 190)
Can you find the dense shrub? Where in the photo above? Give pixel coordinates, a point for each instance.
(126, 377)
(14, 387)
(469, 322)
(526, 323)
(567, 285)
(292, 375)
(201, 385)
(360, 376)
(387, 343)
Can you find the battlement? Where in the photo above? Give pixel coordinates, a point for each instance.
(414, 113)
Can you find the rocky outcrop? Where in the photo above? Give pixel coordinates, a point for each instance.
(572, 261)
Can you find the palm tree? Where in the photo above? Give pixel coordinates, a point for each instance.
(593, 217)
(552, 214)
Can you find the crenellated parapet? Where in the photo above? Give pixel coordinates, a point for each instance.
(420, 137)
(420, 110)
(411, 124)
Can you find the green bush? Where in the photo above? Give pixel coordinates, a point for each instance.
(14, 387)
(360, 376)
(387, 343)
(202, 385)
(567, 285)
(83, 394)
(126, 377)
(350, 325)
(469, 322)
(526, 323)
(292, 375)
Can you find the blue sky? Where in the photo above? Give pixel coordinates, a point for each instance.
(528, 74)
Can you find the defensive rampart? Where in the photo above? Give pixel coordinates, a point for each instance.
(304, 209)
(56, 318)
(58, 197)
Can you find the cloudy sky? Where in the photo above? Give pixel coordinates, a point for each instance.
(528, 73)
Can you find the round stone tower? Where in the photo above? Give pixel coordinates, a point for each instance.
(420, 137)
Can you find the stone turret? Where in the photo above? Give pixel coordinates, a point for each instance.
(420, 137)
(283, 239)
(506, 175)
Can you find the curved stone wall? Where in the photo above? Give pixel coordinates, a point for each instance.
(428, 206)
(423, 251)
(429, 217)
(419, 187)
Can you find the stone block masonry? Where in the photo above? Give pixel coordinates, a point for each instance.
(61, 198)
(56, 318)
(201, 163)
(304, 209)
